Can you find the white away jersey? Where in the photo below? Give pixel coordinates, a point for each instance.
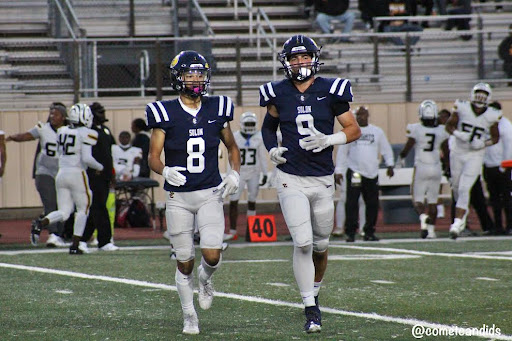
(124, 159)
(47, 161)
(477, 126)
(252, 154)
(70, 141)
(428, 142)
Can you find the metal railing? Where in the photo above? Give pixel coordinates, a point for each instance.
(261, 33)
(208, 27)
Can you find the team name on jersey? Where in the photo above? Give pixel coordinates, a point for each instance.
(303, 109)
(195, 132)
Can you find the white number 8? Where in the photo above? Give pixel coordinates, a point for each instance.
(197, 142)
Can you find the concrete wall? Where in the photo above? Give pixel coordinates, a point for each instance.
(17, 188)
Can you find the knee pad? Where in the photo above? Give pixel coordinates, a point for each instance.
(321, 245)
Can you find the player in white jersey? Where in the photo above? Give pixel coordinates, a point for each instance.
(75, 155)
(47, 166)
(253, 156)
(471, 122)
(126, 158)
(426, 137)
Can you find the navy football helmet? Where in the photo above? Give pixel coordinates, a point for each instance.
(190, 62)
(300, 44)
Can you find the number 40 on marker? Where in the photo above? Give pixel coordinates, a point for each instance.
(261, 228)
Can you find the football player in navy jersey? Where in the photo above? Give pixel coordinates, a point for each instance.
(188, 130)
(305, 108)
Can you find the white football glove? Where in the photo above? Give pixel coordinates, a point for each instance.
(320, 141)
(173, 176)
(477, 144)
(462, 135)
(276, 155)
(230, 184)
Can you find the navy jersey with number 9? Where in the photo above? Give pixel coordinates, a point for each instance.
(192, 141)
(304, 114)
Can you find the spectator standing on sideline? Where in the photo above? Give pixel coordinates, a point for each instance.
(305, 108)
(126, 158)
(100, 183)
(3, 155)
(499, 183)
(188, 130)
(329, 10)
(74, 149)
(427, 138)
(47, 166)
(505, 53)
(253, 162)
(141, 140)
(471, 122)
(361, 160)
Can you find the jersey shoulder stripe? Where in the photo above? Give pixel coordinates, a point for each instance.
(342, 88)
(266, 93)
(226, 107)
(156, 112)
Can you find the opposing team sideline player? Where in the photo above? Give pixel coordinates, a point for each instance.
(471, 122)
(75, 155)
(253, 162)
(305, 108)
(427, 138)
(189, 129)
(126, 158)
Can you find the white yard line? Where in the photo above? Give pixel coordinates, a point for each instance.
(373, 316)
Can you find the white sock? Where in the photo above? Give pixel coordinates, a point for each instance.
(80, 222)
(232, 231)
(304, 271)
(185, 286)
(206, 270)
(317, 286)
(54, 217)
(251, 213)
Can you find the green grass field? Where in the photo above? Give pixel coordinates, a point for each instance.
(372, 291)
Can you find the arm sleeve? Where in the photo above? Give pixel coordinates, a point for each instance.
(268, 131)
(386, 150)
(88, 159)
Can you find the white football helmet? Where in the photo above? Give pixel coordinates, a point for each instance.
(248, 123)
(81, 113)
(481, 95)
(427, 111)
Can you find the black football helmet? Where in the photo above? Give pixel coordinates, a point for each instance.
(190, 62)
(300, 44)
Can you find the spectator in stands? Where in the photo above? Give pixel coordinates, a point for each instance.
(459, 7)
(397, 8)
(499, 183)
(253, 163)
(3, 154)
(428, 4)
(361, 160)
(471, 122)
(427, 137)
(100, 183)
(47, 166)
(505, 53)
(141, 140)
(441, 7)
(126, 158)
(329, 10)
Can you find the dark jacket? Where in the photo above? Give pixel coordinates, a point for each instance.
(141, 140)
(329, 7)
(504, 50)
(102, 151)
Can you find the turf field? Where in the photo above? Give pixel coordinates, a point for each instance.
(372, 291)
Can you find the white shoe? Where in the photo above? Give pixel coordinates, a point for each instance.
(337, 232)
(423, 221)
(190, 324)
(224, 246)
(206, 291)
(55, 241)
(228, 236)
(456, 228)
(431, 233)
(94, 242)
(109, 247)
(83, 246)
(166, 235)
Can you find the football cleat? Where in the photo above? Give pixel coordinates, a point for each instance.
(337, 232)
(83, 247)
(313, 320)
(229, 236)
(430, 232)
(75, 251)
(190, 324)
(109, 247)
(35, 231)
(370, 238)
(456, 228)
(55, 241)
(206, 291)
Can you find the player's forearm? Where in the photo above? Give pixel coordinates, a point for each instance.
(352, 132)
(20, 137)
(234, 158)
(155, 164)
